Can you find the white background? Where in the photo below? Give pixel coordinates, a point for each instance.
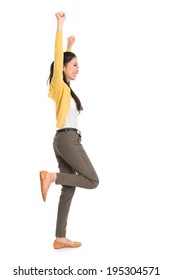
(125, 56)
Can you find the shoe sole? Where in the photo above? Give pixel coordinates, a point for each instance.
(59, 245)
(43, 175)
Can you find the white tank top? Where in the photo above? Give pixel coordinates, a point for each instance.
(72, 117)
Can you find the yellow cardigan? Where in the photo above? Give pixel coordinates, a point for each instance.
(59, 90)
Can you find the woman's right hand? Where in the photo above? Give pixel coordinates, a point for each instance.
(61, 17)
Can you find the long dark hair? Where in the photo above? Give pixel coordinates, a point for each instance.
(68, 56)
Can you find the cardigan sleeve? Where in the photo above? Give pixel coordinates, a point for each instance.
(57, 79)
(68, 50)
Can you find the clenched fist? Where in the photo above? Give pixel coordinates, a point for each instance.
(70, 41)
(60, 16)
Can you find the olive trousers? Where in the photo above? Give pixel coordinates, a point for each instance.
(76, 170)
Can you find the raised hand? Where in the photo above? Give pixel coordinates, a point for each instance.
(61, 17)
(70, 42)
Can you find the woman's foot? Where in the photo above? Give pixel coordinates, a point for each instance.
(46, 178)
(63, 242)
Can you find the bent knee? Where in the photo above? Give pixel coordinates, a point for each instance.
(95, 183)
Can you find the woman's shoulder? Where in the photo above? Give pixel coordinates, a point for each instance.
(58, 90)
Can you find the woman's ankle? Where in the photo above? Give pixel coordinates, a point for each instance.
(52, 177)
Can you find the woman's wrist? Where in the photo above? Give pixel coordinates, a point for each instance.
(59, 26)
(69, 47)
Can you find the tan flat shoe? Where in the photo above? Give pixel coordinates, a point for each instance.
(60, 245)
(43, 175)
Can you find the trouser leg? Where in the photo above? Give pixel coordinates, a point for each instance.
(66, 196)
(68, 145)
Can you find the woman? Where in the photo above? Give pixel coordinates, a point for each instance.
(74, 164)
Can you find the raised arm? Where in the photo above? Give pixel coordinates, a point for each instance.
(58, 60)
(70, 42)
(57, 78)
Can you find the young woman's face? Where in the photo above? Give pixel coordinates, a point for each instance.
(71, 69)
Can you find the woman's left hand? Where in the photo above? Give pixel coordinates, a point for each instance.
(70, 42)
